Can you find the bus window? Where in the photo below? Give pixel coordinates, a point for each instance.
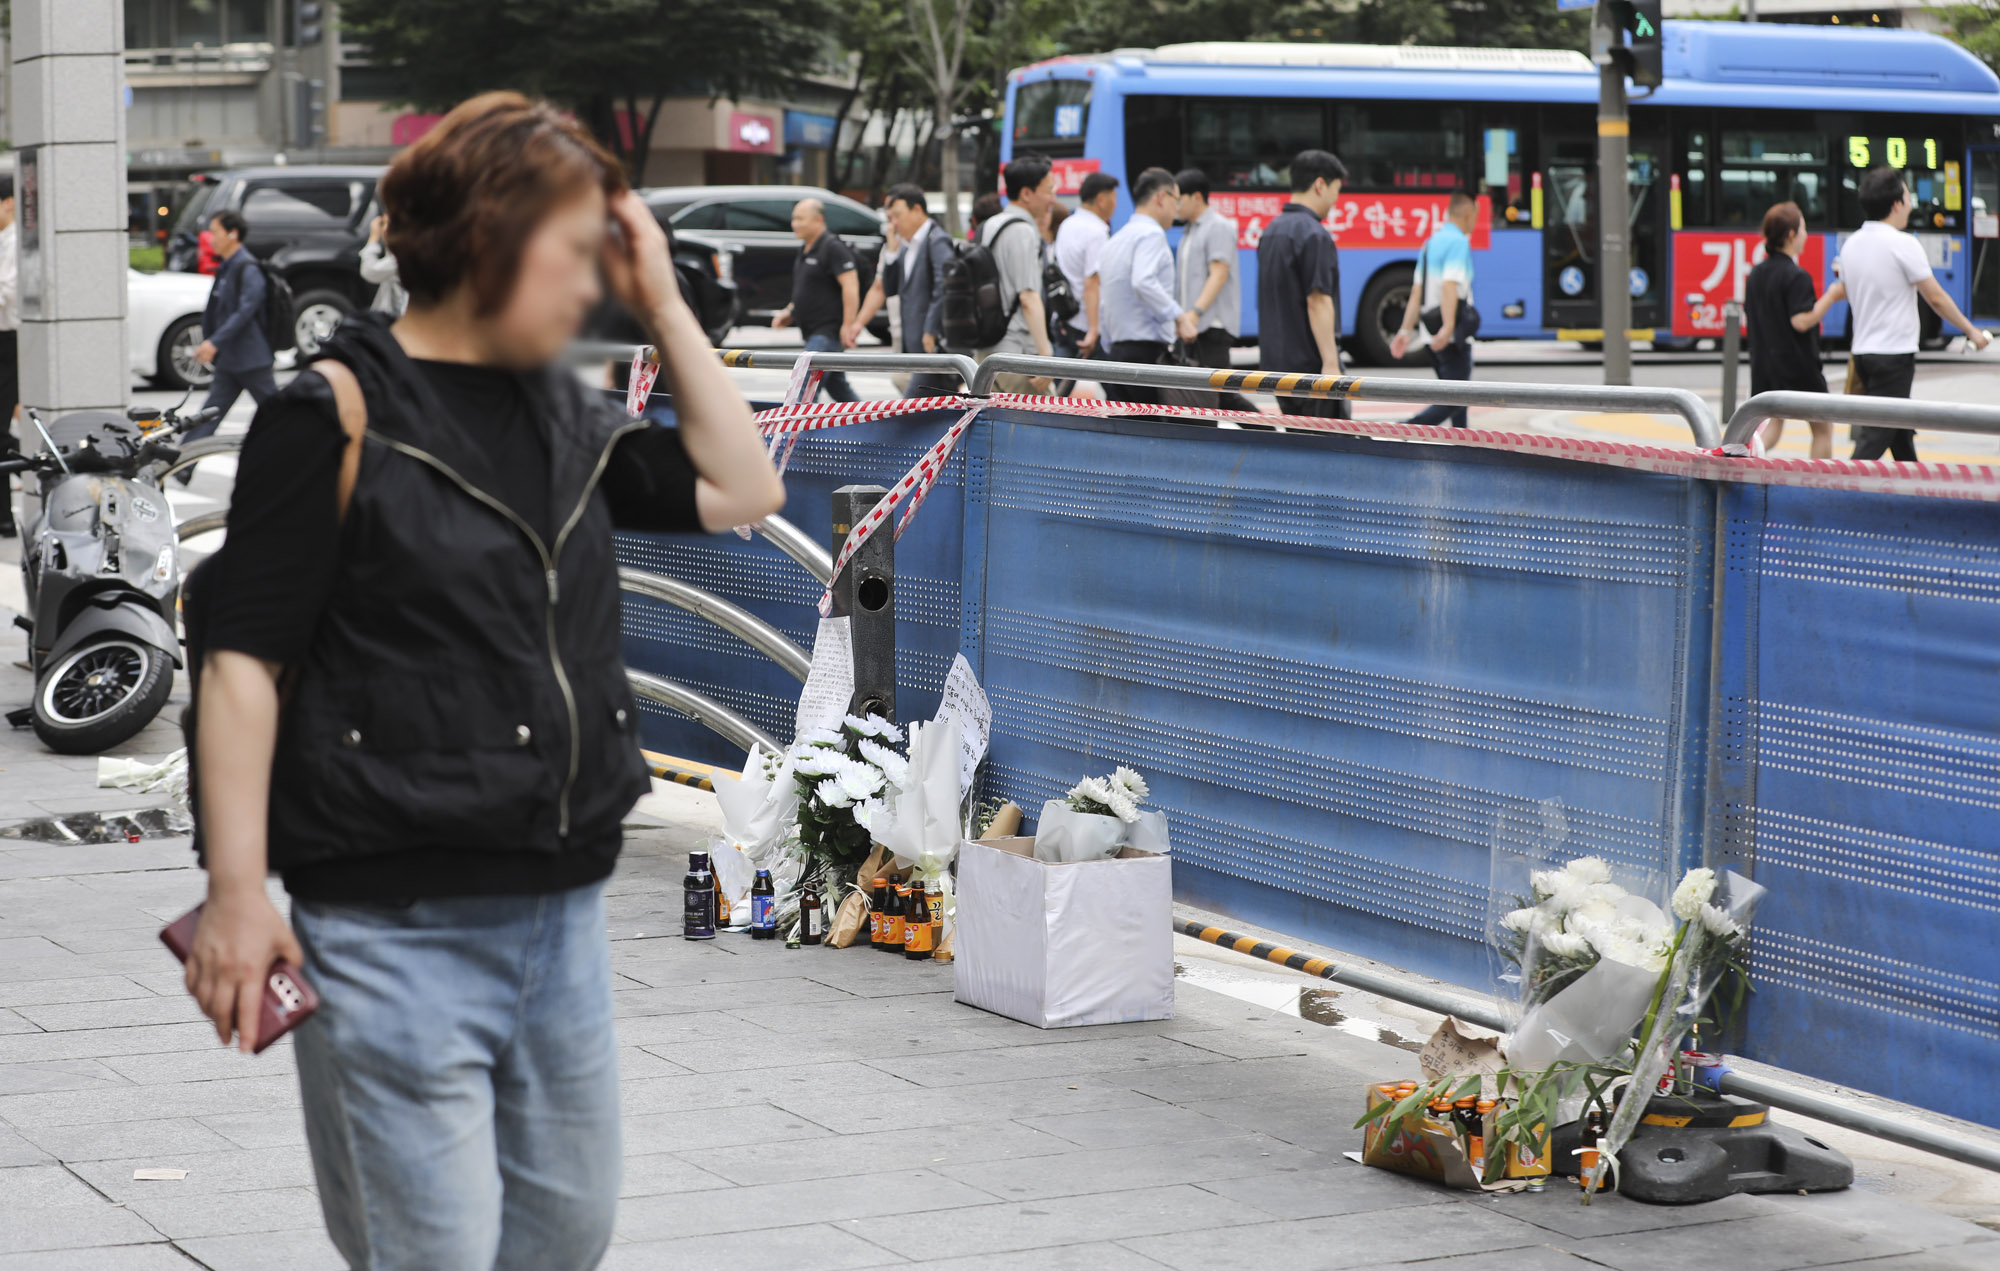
(1051, 110)
(1248, 145)
(1153, 137)
(1693, 172)
(1760, 169)
(1502, 162)
(1402, 145)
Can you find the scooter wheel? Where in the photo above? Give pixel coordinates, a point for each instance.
(101, 694)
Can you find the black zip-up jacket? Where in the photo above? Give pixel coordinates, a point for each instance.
(463, 688)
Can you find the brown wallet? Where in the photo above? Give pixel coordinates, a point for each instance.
(288, 1000)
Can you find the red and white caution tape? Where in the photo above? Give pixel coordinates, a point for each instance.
(1926, 480)
(645, 369)
(911, 490)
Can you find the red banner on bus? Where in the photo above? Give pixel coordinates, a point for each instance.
(1395, 221)
(1069, 174)
(1709, 269)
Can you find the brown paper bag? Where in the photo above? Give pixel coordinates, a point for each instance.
(849, 921)
(1006, 822)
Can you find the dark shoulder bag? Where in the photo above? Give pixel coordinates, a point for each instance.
(1467, 325)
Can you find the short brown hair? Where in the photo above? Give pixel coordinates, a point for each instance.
(1779, 224)
(463, 201)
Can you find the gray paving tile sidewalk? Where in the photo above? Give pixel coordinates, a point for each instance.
(809, 1109)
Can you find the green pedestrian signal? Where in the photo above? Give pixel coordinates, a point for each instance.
(1643, 54)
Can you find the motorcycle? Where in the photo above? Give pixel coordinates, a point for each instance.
(100, 566)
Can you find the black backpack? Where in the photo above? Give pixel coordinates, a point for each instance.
(975, 313)
(1057, 298)
(280, 316)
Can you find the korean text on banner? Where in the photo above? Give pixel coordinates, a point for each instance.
(1709, 270)
(1395, 221)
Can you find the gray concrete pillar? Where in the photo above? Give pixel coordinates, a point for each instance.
(69, 138)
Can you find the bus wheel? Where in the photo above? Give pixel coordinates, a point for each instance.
(1381, 316)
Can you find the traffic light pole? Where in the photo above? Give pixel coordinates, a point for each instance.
(1614, 218)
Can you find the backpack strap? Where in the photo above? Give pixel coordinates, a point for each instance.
(994, 242)
(353, 409)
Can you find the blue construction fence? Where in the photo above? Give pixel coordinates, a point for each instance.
(1355, 673)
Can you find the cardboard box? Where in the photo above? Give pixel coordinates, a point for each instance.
(1428, 1147)
(1058, 945)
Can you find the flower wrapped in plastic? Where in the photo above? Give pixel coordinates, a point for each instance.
(1588, 956)
(1715, 912)
(1100, 817)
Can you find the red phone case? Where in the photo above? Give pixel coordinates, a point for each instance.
(288, 1000)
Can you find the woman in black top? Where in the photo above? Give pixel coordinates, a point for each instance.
(1781, 318)
(443, 787)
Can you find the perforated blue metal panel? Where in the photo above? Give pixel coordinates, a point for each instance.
(1859, 778)
(1349, 672)
(672, 642)
(1353, 672)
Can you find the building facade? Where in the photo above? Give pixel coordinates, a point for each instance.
(231, 83)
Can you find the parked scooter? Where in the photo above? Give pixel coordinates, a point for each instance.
(101, 568)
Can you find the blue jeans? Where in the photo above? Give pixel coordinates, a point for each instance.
(461, 1081)
(834, 383)
(1455, 363)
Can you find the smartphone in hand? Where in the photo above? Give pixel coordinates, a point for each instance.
(288, 1000)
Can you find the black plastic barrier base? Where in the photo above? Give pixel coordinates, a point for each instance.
(1705, 1147)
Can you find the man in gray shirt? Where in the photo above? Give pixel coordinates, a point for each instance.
(1015, 239)
(1208, 283)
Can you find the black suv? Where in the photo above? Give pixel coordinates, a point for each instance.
(752, 225)
(311, 222)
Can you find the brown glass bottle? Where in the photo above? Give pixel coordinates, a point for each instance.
(878, 905)
(893, 918)
(812, 916)
(919, 931)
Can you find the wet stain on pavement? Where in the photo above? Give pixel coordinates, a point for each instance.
(102, 827)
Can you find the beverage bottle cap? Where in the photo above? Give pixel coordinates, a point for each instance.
(763, 873)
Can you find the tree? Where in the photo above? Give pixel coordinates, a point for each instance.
(611, 61)
(1977, 27)
(1106, 24)
(938, 59)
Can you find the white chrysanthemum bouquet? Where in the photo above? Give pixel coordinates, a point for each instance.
(1119, 795)
(1611, 985)
(847, 780)
(1100, 817)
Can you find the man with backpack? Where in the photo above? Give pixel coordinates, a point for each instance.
(1014, 240)
(233, 327)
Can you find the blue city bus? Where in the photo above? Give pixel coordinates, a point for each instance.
(1749, 116)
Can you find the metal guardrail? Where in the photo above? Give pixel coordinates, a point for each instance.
(1876, 412)
(746, 626)
(1414, 392)
(701, 708)
(979, 379)
(953, 364)
(797, 544)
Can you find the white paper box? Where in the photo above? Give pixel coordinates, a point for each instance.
(1055, 945)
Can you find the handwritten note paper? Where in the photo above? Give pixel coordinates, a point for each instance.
(1459, 1049)
(830, 684)
(969, 715)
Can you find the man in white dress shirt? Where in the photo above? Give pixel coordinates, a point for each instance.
(1139, 314)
